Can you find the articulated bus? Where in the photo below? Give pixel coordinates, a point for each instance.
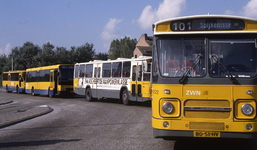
(14, 81)
(123, 78)
(204, 77)
(50, 80)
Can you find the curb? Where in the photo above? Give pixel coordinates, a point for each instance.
(23, 115)
(3, 102)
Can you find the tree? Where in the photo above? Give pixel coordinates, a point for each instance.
(122, 48)
(101, 56)
(84, 53)
(114, 51)
(25, 57)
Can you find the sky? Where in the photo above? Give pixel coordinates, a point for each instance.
(66, 23)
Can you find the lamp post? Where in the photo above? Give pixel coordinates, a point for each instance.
(12, 60)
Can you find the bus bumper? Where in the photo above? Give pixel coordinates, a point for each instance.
(176, 129)
(176, 135)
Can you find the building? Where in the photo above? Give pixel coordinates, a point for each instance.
(144, 46)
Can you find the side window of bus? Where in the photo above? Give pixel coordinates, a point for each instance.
(76, 75)
(134, 73)
(116, 69)
(5, 77)
(95, 72)
(99, 72)
(81, 70)
(14, 76)
(139, 74)
(89, 71)
(126, 69)
(106, 71)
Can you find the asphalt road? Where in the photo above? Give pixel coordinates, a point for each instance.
(77, 124)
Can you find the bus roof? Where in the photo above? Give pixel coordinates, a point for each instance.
(193, 24)
(140, 58)
(15, 71)
(48, 67)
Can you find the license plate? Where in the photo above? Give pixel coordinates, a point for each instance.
(206, 134)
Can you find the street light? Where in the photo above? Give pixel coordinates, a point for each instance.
(12, 60)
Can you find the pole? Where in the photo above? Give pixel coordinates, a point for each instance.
(12, 60)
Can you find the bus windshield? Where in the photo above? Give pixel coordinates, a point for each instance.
(236, 58)
(66, 75)
(178, 56)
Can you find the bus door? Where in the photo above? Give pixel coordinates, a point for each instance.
(21, 81)
(81, 76)
(52, 81)
(97, 73)
(136, 83)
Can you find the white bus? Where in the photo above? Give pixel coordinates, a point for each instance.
(123, 78)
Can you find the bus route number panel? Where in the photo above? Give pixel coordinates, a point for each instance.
(207, 24)
(206, 134)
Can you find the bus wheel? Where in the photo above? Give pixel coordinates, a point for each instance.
(88, 95)
(7, 91)
(17, 90)
(32, 91)
(124, 97)
(49, 94)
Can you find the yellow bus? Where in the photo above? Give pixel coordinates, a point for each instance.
(50, 80)
(123, 78)
(14, 81)
(204, 77)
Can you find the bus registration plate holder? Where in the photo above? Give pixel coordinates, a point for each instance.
(206, 134)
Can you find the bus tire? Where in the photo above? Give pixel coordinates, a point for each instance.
(88, 94)
(7, 91)
(32, 91)
(49, 94)
(124, 97)
(17, 89)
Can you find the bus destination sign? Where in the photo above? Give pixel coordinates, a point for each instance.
(213, 24)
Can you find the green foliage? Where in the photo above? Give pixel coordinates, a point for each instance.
(101, 56)
(122, 48)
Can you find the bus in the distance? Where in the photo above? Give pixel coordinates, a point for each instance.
(50, 80)
(14, 81)
(123, 78)
(204, 77)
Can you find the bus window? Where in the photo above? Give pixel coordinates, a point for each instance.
(89, 71)
(116, 69)
(14, 76)
(5, 77)
(106, 73)
(139, 74)
(98, 70)
(81, 70)
(126, 69)
(76, 71)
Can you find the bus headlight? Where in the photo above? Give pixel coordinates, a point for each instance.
(167, 107)
(247, 109)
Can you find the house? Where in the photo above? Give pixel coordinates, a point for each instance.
(144, 46)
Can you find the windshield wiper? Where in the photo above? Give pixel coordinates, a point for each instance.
(184, 76)
(224, 69)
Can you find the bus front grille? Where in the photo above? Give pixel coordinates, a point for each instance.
(207, 109)
(206, 126)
